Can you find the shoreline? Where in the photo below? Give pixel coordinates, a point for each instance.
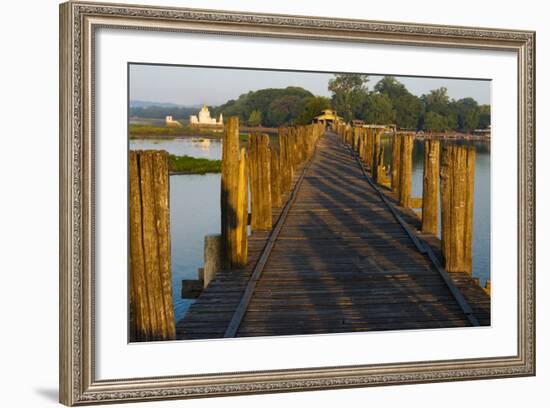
(190, 173)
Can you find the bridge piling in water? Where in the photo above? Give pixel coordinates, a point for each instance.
(233, 179)
(151, 307)
(405, 170)
(260, 182)
(285, 166)
(395, 162)
(275, 171)
(430, 187)
(457, 207)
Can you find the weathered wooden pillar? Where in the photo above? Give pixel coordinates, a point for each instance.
(232, 191)
(292, 148)
(405, 170)
(151, 308)
(363, 152)
(241, 256)
(395, 162)
(212, 258)
(260, 182)
(285, 166)
(457, 205)
(359, 143)
(376, 158)
(430, 187)
(369, 147)
(355, 136)
(275, 170)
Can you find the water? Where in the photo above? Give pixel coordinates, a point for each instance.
(194, 210)
(195, 207)
(481, 260)
(194, 213)
(195, 147)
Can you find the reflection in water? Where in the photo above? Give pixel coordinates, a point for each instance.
(195, 207)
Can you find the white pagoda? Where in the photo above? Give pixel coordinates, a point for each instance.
(203, 118)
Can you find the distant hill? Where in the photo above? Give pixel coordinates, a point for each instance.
(159, 110)
(146, 104)
(269, 107)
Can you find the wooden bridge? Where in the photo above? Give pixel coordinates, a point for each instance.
(342, 256)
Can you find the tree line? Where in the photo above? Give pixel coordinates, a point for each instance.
(391, 102)
(273, 107)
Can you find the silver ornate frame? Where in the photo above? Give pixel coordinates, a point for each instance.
(78, 22)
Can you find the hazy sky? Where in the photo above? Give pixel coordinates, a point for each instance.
(214, 86)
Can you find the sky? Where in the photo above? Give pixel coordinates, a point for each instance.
(193, 86)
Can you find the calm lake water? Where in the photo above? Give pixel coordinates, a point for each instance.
(195, 207)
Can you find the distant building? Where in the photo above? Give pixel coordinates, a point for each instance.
(204, 119)
(327, 117)
(169, 120)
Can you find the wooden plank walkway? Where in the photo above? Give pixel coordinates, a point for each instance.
(341, 263)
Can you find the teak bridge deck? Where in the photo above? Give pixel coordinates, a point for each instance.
(342, 257)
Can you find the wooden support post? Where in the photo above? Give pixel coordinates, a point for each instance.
(292, 148)
(405, 170)
(285, 166)
(395, 162)
(360, 143)
(363, 152)
(151, 307)
(276, 194)
(212, 258)
(457, 205)
(355, 138)
(377, 159)
(370, 148)
(260, 182)
(430, 187)
(241, 238)
(231, 184)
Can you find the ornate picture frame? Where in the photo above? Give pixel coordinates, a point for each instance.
(78, 24)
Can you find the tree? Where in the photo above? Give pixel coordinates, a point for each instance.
(313, 105)
(408, 107)
(262, 101)
(379, 109)
(438, 102)
(255, 118)
(408, 110)
(435, 122)
(284, 110)
(391, 87)
(348, 93)
(484, 116)
(467, 113)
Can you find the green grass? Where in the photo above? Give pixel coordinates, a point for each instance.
(150, 130)
(193, 165)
